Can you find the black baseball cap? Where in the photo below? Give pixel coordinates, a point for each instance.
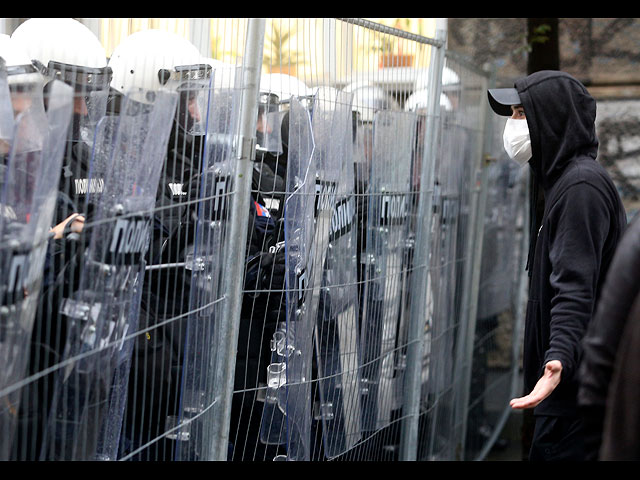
(501, 100)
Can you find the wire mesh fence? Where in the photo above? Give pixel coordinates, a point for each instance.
(280, 240)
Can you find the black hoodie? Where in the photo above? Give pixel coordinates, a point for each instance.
(582, 223)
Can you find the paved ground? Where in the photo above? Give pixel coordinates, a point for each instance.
(511, 432)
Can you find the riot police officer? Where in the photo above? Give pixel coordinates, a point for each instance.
(270, 165)
(63, 49)
(154, 60)
(264, 282)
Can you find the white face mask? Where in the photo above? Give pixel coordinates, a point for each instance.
(517, 141)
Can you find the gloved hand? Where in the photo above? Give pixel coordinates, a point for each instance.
(273, 270)
(275, 281)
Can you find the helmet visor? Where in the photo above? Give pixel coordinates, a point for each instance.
(269, 124)
(193, 83)
(83, 79)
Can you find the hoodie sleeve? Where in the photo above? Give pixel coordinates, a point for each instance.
(578, 228)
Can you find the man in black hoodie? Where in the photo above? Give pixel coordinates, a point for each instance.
(552, 127)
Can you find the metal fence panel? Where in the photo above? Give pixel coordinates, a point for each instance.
(331, 271)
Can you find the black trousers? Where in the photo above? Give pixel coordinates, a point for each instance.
(557, 439)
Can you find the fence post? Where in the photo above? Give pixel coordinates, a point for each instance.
(235, 253)
(464, 354)
(415, 338)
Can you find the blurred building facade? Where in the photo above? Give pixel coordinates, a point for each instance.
(603, 53)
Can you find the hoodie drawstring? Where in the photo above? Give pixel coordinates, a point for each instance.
(533, 225)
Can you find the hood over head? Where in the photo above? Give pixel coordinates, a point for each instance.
(561, 117)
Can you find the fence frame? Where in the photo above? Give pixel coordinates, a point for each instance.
(223, 354)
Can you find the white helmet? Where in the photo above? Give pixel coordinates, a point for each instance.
(65, 49)
(151, 60)
(284, 86)
(417, 102)
(21, 74)
(12, 53)
(25, 82)
(225, 75)
(62, 40)
(450, 79)
(368, 99)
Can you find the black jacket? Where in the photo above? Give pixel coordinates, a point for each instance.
(604, 336)
(582, 223)
(621, 432)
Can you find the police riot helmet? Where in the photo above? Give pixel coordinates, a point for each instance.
(284, 86)
(226, 76)
(22, 77)
(369, 99)
(22, 92)
(67, 50)
(64, 49)
(152, 60)
(417, 102)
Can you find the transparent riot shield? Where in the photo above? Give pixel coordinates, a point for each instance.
(6, 111)
(287, 410)
(386, 235)
(102, 314)
(336, 335)
(192, 428)
(27, 201)
(414, 223)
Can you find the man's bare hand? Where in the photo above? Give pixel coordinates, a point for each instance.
(76, 226)
(547, 383)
